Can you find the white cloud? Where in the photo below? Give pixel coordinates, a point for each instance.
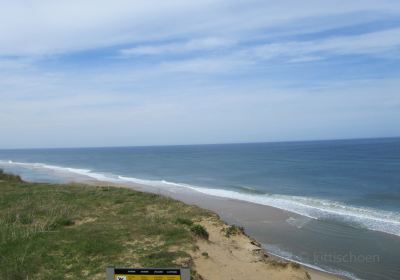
(48, 27)
(203, 44)
(207, 114)
(373, 43)
(369, 43)
(214, 92)
(51, 27)
(209, 65)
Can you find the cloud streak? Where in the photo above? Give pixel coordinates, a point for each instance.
(204, 44)
(48, 27)
(374, 43)
(122, 72)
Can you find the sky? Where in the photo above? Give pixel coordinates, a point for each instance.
(125, 73)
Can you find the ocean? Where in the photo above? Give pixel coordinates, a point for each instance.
(348, 191)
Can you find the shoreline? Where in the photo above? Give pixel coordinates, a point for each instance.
(221, 207)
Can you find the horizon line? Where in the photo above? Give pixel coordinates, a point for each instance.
(201, 144)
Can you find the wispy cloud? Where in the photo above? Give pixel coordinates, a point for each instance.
(373, 43)
(209, 65)
(159, 72)
(50, 27)
(228, 55)
(204, 44)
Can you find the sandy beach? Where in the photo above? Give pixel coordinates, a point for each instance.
(241, 257)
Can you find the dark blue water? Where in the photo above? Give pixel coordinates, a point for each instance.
(354, 183)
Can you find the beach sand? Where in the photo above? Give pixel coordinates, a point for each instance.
(239, 257)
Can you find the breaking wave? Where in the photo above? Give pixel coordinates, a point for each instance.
(315, 208)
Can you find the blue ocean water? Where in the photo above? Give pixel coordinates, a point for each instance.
(353, 183)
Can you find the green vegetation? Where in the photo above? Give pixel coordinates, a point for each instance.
(233, 230)
(50, 231)
(199, 231)
(184, 221)
(9, 177)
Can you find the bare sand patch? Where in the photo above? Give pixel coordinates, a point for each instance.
(239, 257)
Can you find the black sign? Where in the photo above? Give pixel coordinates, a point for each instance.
(130, 271)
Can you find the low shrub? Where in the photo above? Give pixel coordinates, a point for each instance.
(9, 177)
(199, 231)
(233, 230)
(184, 221)
(61, 222)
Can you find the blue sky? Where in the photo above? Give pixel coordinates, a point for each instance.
(112, 73)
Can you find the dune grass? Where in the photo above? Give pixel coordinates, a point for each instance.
(50, 231)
